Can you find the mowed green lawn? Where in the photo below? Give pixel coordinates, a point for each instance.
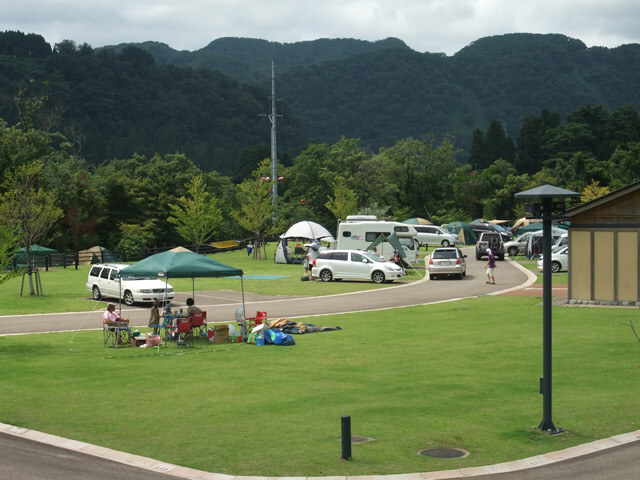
(462, 374)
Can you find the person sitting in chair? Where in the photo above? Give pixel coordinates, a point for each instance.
(112, 316)
(191, 307)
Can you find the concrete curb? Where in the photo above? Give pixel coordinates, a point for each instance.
(190, 473)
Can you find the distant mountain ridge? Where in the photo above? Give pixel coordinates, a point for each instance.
(383, 91)
(249, 59)
(150, 98)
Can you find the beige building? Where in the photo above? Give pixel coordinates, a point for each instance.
(604, 240)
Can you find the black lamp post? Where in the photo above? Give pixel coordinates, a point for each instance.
(546, 194)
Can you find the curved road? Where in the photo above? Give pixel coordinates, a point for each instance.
(25, 454)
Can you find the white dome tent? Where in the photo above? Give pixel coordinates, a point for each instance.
(299, 234)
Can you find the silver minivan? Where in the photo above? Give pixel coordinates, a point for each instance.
(432, 235)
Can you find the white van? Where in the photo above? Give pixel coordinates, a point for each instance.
(358, 232)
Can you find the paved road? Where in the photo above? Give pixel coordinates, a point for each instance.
(22, 458)
(221, 305)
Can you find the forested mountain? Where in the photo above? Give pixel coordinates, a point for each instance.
(249, 59)
(139, 98)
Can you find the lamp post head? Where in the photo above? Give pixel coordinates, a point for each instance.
(546, 191)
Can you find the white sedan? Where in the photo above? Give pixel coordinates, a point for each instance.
(559, 259)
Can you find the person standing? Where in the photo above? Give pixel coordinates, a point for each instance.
(312, 254)
(154, 318)
(490, 267)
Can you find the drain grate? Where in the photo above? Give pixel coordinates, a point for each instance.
(443, 452)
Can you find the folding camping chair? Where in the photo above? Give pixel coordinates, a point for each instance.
(259, 319)
(183, 331)
(199, 324)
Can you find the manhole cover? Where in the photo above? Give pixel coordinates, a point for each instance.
(443, 452)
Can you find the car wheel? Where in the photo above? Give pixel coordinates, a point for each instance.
(555, 267)
(478, 257)
(326, 275)
(128, 298)
(377, 277)
(445, 243)
(460, 275)
(96, 293)
(513, 251)
(501, 257)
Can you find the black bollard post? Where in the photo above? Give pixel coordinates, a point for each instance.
(346, 437)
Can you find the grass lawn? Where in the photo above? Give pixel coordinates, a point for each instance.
(461, 374)
(64, 289)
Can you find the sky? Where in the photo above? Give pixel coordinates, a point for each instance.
(435, 26)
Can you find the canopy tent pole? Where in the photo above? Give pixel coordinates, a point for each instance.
(119, 295)
(243, 330)
(193, 288)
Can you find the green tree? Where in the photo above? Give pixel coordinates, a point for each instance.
(592, 191)
(134, 239)
(196, 216)
(29, 211)
(256, 214)
(344, 201)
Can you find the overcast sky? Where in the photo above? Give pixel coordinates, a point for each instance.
(424, 25)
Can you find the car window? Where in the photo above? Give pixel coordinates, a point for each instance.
(356, 257)
(400, 229)
(95, 271)
(346, 234)
(105, 273)
(444, 254)
(343, 256)
(373, 257)
(113, 275)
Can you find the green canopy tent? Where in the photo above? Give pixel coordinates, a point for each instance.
(464, 231)
(35, 251)
(395, 243)
(182, 264)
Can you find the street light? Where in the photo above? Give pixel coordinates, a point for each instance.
(546, 194)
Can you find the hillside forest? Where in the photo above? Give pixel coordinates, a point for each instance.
(161, 196)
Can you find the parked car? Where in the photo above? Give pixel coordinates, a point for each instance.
(479, 228)
(492, 240)
(431, 234)
(354, 265)
(559, 259)
(517, 246)
(104, 281)
(447, 261)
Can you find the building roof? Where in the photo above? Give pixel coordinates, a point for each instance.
(604, 199)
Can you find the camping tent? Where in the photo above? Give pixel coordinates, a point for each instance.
(96, 254)
(417, 221)
(395, 243)
(305, 232)
(181, 264)
(464, 231)
(35, 251)
(308, 230)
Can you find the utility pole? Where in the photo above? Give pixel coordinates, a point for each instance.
(274, 157)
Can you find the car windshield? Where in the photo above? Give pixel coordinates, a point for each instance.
(130, 278)
(442, 254)
(372, 257)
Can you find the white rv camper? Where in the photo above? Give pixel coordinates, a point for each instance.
(360, 231)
